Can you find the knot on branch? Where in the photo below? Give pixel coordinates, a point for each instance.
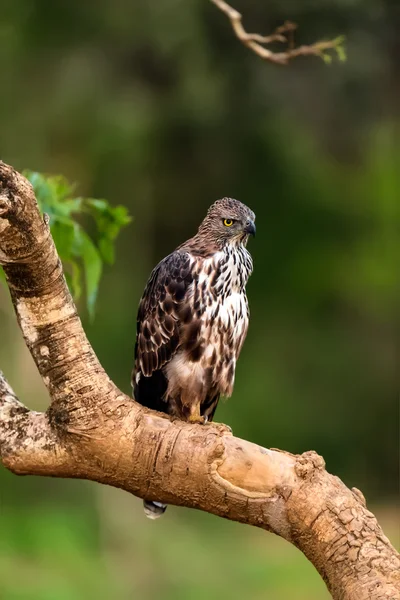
(22, 230)
(13, 187)
(11, 183)
(359, 496)
(307, 463)
(5, 203)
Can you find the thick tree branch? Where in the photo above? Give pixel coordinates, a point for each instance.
(94, 431)
(284, 33)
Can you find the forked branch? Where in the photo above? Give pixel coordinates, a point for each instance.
(283, 34)
(92, 430)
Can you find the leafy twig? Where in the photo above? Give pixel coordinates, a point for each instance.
(82, 254)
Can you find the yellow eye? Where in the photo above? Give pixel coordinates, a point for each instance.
(228, 222)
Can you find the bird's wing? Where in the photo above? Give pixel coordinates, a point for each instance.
(163, 308)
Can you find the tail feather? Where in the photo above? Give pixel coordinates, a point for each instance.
(153, 510)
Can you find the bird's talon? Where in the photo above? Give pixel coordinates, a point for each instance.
(196, 420)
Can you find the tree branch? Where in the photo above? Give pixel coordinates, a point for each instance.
(284, 34)
(94, 431)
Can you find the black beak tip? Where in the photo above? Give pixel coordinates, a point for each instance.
(251, 228)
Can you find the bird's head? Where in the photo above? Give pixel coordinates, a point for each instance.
(228, 221)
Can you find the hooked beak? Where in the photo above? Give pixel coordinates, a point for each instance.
(250, 228)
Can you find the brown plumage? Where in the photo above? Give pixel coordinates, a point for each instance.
(193, 319)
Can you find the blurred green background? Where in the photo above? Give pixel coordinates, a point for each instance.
(157, 106)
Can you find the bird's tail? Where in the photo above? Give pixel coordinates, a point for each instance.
(154, 510)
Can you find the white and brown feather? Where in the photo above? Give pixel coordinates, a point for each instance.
(193, 320)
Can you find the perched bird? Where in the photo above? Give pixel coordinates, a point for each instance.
(193, 319)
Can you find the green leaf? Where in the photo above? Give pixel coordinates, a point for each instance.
(63, 232)
(85, 249)
(107, 251)
(82, 255)
(341, 52)
(73, 277)
(327, 58)
(109, 221)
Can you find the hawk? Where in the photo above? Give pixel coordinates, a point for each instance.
(193, 319)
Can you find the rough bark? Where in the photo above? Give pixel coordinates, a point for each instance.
(92, 430)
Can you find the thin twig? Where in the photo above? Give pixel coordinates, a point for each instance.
(283, 34)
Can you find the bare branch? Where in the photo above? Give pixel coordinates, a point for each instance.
(284, 33)
(94, 431)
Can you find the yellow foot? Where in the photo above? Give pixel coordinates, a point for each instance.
(196, 419)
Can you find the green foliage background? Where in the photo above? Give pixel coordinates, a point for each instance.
(156, 107)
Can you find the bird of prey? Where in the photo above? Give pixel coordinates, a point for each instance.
(193, 319)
